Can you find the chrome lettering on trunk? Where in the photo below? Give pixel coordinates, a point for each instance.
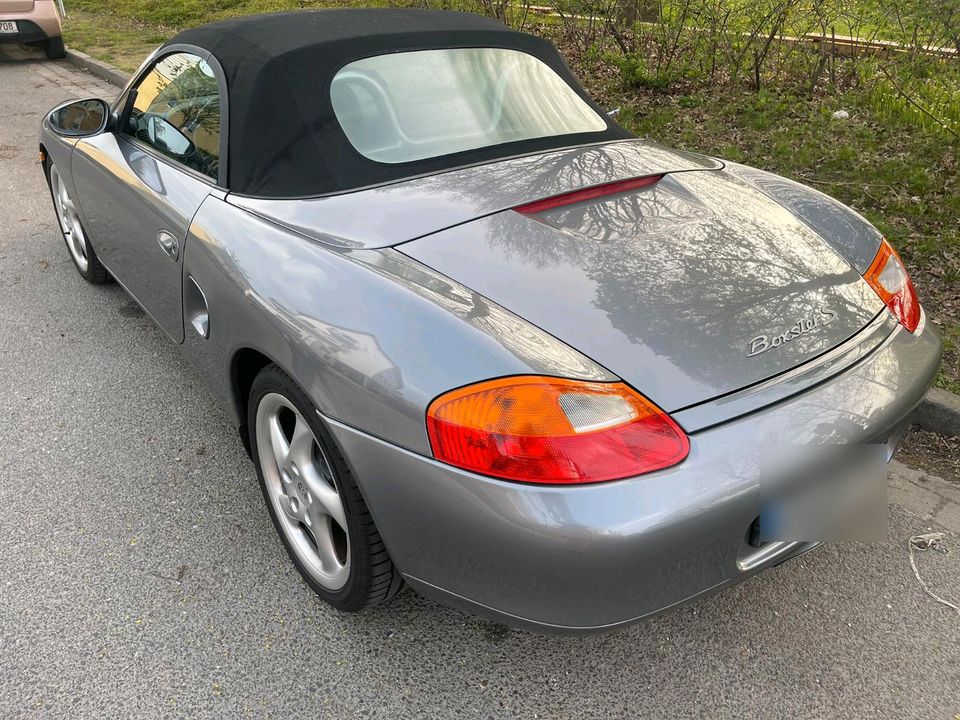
(761, 343)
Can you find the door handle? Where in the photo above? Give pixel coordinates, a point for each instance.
(169, 244)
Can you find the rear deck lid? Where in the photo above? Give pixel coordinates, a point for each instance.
(690, 288)
(386, 215)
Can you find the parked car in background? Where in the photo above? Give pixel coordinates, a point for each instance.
(475, 336)
(33, 22)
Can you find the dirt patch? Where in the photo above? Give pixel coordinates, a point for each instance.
(932, 453)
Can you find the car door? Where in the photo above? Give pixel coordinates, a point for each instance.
(140, 186)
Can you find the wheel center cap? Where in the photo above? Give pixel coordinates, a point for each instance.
(298, 483)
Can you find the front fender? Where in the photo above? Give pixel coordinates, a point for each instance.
(58, 150)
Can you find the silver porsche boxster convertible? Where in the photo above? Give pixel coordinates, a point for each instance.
(476, 337)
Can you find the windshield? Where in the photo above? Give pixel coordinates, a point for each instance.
(408, 106)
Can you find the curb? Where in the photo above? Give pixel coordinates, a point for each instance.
(939, 412)
(104, 71)
(928, 496)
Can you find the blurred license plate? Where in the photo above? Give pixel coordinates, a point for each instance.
(8, 27)
(838, 493)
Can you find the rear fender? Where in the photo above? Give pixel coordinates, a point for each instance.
(844, 229)
(370, 335)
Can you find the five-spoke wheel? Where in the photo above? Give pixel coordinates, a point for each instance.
(299, 481)
(82, 253)
(313, 499)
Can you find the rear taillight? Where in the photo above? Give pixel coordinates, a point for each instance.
(549, 430)
(889, 278)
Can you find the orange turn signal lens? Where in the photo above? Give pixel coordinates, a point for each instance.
(888, 276)
(550, 430)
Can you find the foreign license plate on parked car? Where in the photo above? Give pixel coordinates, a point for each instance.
(8, 27)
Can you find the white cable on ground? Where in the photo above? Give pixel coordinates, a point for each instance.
(925, 542)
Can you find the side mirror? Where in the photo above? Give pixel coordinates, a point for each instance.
(81, 118)
(167, 137)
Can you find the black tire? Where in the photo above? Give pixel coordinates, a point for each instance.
(95, 272)
(372, 579)
(55, 49)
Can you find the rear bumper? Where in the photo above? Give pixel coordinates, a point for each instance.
(41, 23)
(590, 558)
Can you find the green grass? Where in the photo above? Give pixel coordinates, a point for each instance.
(117, 40)
(131, 29)
(890, 161)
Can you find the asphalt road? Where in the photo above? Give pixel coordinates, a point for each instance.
(140, 575)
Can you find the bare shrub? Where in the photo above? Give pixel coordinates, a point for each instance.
(798, 44)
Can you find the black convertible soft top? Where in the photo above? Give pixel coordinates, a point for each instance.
(284, 139)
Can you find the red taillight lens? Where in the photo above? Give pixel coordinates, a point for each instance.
(889, 278)
(548, 430)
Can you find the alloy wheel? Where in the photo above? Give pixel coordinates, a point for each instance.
(300, 483)
(69, 220)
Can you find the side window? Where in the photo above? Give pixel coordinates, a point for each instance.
(177, 111)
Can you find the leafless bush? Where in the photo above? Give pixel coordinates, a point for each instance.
(496, 8)
(756, 42)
